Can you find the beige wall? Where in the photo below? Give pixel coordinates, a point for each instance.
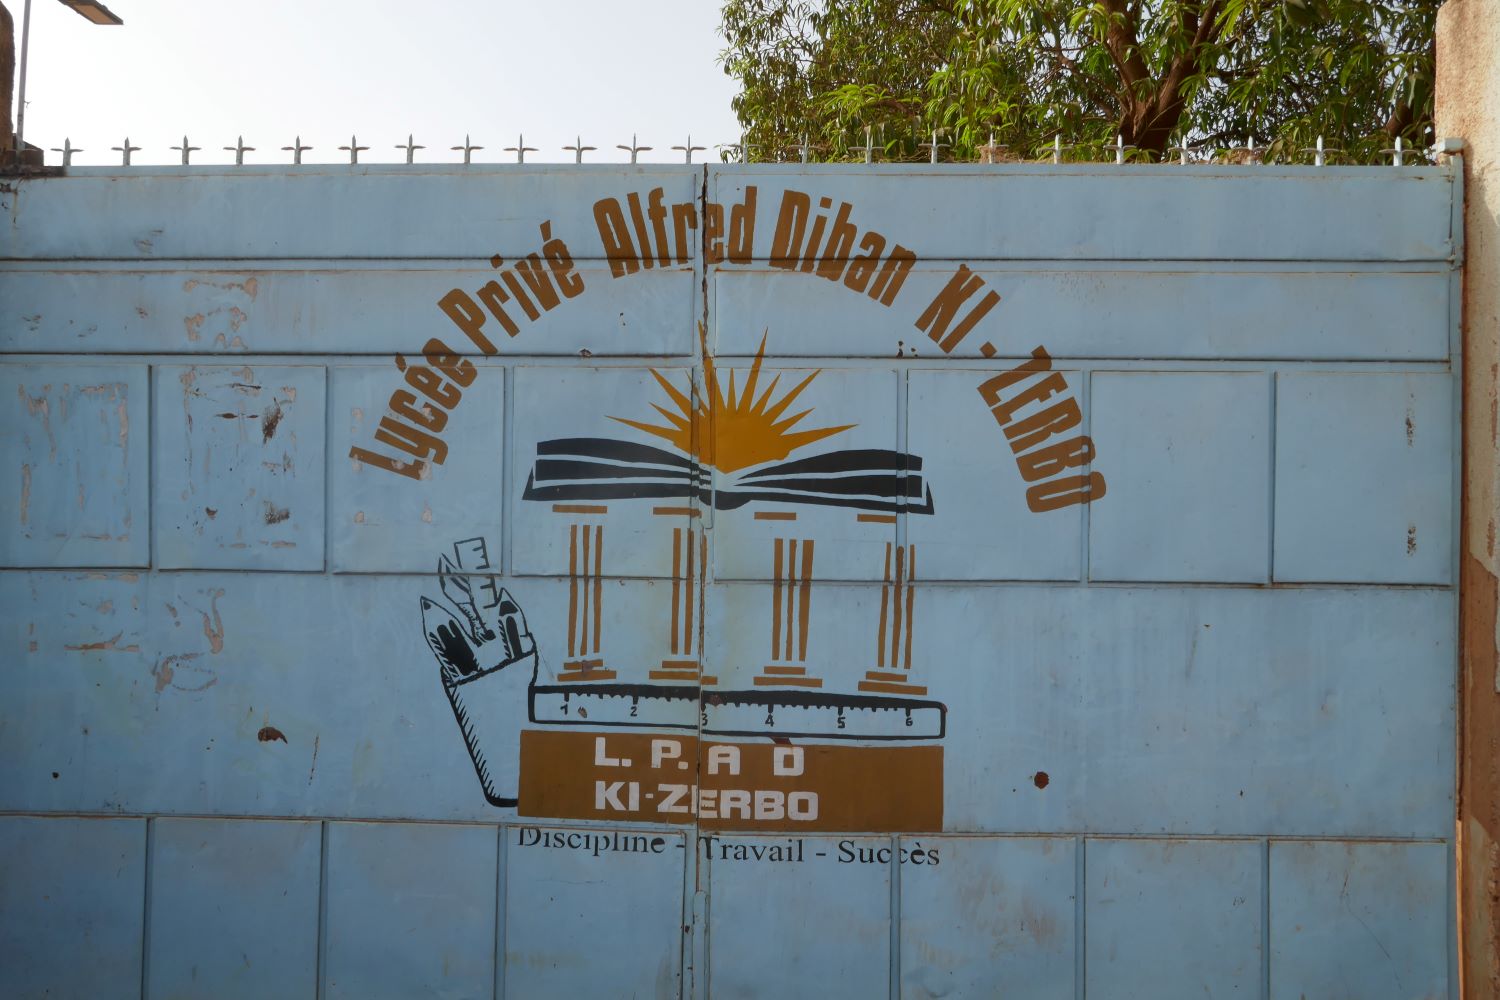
(1468, 107)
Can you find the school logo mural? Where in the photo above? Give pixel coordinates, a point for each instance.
(768, 461)
(793, 478)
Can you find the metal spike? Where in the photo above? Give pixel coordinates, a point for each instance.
(688, 150)
(1320, 153)
(1119, 147)
(296, 149)
(579, 148)
(67, 150)
(1182, 149)
(239, 149)
(468, 148)
(805, 148)
(989, 149)
(1398, 153)
(520, 149)
(411, 148)
(869, 146)
(1056, 149)
(353, 149)
(125, 151)
(633, 148)
(934, 146)
(186, 150)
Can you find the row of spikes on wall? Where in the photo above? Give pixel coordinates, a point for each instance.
(805, 152)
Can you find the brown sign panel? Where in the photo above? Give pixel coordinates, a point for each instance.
(640, 778)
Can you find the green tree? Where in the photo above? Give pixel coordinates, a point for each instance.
(1212, 73)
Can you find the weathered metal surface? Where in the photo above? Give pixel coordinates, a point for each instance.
(1209, 453)
(1026, 211)
(988, 916)
(500, 639)
(1202, 895)
(765, 913)
(1358, 920)
(368, 212)
(72, 888)
(234, 908)
(1402, 528)
(78, 496)
(410, 910)
(241, 471)
(309, 307)
(377, 530)
(562, 889)
(1340, 311)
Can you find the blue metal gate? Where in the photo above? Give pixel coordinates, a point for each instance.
(729, 581)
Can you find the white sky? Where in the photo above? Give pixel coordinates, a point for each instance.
(273, 69)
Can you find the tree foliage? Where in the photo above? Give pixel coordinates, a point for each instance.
(1214, 74)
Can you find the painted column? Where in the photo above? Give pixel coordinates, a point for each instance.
(791, 608)
(585, 659)
(892, 673)
(683, 663)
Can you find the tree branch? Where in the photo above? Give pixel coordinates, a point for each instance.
(7, 78)
(1124, 48)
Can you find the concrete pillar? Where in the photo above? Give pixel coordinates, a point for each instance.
(1468, 107)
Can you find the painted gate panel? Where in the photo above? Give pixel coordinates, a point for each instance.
(322, 211)
(309, 307)
(234, 908)
(728, 581)
(1202, 442)
(373, 529)
(1000, 920)
(1339, 311)
(1197, 901)
(69, 511)
(567, 890)
(409, 906)
(1040, 212)
(70, 907)
(240, 476)
(767, 908)
(1387, 439)
(1358, 920)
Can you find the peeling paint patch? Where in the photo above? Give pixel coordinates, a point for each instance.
(269, 734)
(38, 406)
(270, 420)
(274, 514)
(110, 645)
(214, 632)
(167, 670)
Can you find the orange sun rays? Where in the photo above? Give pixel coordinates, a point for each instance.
(735, 430)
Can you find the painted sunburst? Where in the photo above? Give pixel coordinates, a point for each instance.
(734, 430)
